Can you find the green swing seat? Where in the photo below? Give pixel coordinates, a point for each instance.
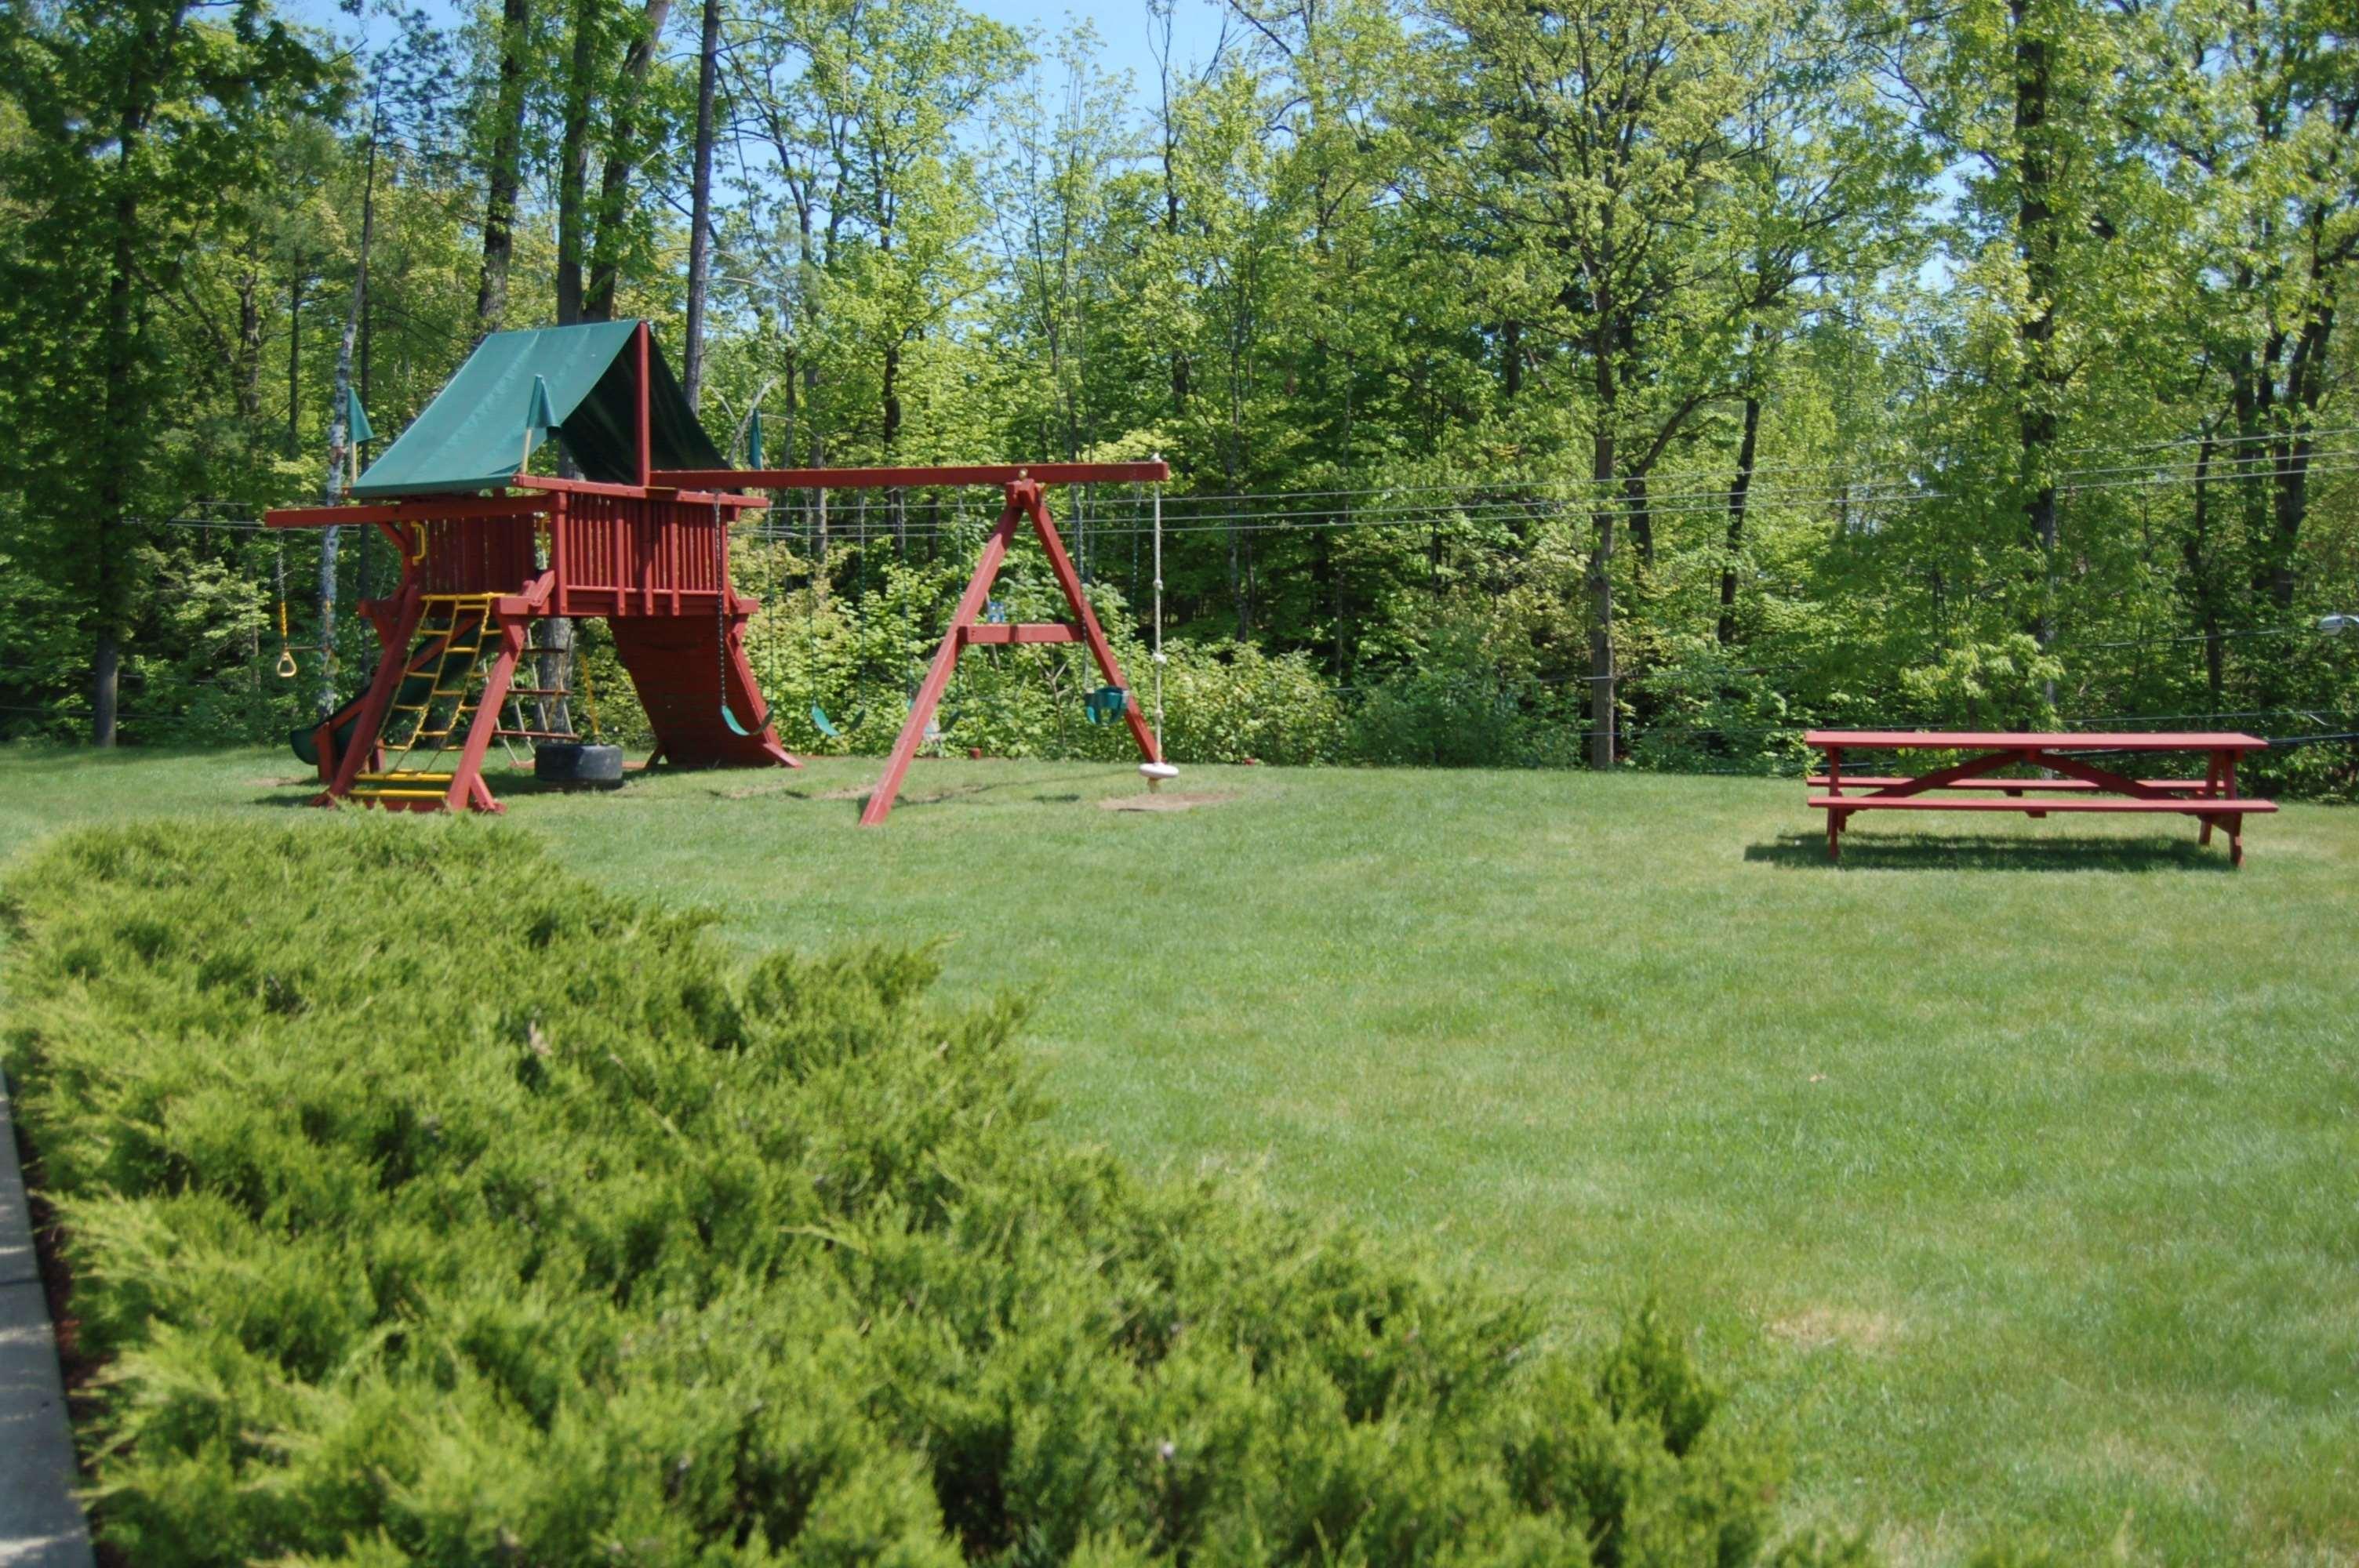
(1106, 705)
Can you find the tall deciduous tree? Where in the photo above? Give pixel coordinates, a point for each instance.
(1608, 151)
(2255, 109)
(141, 115)
(503, 120)
(700, 201)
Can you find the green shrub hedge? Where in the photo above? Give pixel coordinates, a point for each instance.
(430, 1207)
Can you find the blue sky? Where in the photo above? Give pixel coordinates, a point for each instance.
(1121, 26)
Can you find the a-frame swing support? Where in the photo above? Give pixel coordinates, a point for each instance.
(1026, 500)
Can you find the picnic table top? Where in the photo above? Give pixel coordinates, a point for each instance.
(2019, 739)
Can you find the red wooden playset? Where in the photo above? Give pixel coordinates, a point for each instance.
(487, 549)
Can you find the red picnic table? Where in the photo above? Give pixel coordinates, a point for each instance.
(2080, 785)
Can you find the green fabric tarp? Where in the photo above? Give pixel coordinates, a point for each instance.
(472, 437)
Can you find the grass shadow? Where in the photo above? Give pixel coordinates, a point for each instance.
(1990, 852)
(506, 786)
(1043, 786)
(520, 785)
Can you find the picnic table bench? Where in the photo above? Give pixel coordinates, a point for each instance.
(2075, 784)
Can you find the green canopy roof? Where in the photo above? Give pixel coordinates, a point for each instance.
(472, 436)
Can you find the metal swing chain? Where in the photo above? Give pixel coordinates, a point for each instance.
(1157, 661)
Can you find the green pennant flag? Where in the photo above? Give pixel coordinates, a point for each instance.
(539, 419)
(356, 425)
(754, 441)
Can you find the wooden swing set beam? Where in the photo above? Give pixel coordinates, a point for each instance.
(917, 478)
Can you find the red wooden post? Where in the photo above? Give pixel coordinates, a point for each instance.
(647, 425)
(560, 532)
(467, 785)
(2235, 822)
(1100, 649)
(937, 674)
(1834, 817)
(370, 720)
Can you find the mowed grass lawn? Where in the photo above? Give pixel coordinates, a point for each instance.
(2011, 1171)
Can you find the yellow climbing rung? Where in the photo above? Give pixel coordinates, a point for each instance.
(464, 633)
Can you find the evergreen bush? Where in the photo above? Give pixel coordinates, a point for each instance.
(428, 1205)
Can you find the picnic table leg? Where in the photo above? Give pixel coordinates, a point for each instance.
(2211, 787)
(1834, 816)
(2236, 821)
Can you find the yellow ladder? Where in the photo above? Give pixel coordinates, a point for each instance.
(463, 624)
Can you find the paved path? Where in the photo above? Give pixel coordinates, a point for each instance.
(40, 1523)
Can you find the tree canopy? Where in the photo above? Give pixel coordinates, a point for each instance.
(1640, 378)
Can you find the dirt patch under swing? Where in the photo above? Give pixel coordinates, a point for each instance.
(1164, 802)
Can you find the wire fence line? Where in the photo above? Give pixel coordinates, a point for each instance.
(1470, 515)
(1412, 503)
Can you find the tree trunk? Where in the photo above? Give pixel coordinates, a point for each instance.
(295, 362)
(339, 437)
(573, 163)
(1738, 490)
(700, 223)
(553, 671)
(2037, 241)
(1637, 504)
(1601, 605)
(120, 390)
(1606, 331)
(1162, 13)
(621, 160)
(2305, 383)
(2202, 576)
(505, 174)
(246, 375)
(552, 666)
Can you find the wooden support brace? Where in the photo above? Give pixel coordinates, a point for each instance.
(467, 786)
(1100, 649)
(987, 636)
(392, 660)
